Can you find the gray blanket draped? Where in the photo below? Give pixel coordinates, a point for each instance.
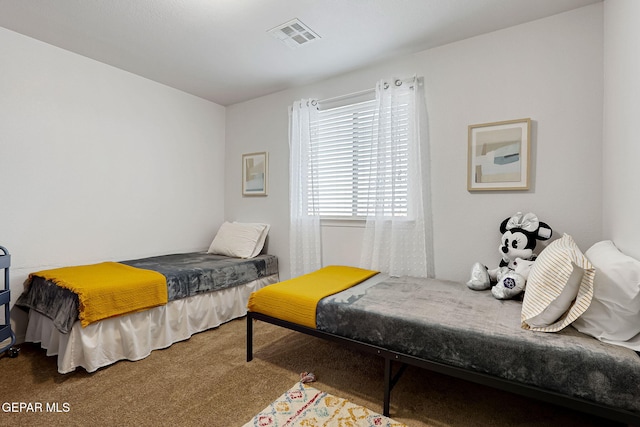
(446, 322)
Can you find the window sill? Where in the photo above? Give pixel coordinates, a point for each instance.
(333, 222)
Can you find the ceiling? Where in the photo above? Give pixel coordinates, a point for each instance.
(220, 50)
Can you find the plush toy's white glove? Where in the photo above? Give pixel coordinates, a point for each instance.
(479, 280)
(509, 286)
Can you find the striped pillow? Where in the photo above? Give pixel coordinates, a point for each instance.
(559, 287)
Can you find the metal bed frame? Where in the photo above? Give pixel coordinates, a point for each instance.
(391, 378)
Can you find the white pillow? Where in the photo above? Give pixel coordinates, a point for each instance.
(239, 240)
(559, 287)
(614, 314)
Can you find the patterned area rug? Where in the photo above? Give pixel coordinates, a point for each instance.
(306, 406)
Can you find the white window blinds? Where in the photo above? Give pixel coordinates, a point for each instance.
(347, 152)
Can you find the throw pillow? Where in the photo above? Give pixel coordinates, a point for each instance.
(559, 288)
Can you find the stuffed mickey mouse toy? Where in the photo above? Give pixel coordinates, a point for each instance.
(519, 237)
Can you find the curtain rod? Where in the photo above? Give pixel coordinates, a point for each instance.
(360, 93)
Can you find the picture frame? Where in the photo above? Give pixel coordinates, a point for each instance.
(499, 156)
(255, 174)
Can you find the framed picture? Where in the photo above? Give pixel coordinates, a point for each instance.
(254, 174)
(499, 155)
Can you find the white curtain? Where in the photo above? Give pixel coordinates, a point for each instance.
(398, 239)
(305, 249)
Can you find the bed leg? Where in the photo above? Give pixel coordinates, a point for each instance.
(387, 386)
(249, 337)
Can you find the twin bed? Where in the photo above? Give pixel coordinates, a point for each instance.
(201, 291)
(91, 316)
(446, 327)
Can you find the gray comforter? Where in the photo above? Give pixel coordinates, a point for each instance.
(187, 275)
(446, 322)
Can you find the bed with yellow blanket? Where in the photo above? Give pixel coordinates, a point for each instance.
(446, 327)
(296, 300)
(93, 315)
(108, 289)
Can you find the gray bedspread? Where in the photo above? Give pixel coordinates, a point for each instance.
(446, 322)
(187, 275)
(194, 273)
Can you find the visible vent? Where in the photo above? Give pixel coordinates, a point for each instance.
(294, 33)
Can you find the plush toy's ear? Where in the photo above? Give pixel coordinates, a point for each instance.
(503, 226)
(544, 231)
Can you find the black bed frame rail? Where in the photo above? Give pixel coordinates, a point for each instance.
(619, 415)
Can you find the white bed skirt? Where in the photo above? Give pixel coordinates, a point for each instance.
(134, 336)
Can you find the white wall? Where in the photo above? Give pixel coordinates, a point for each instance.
(99, 164)
(549, 70)
(621, 154)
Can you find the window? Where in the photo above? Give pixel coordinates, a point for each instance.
(347, 154)
(368, 160)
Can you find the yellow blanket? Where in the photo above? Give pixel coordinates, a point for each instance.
(295, 300)
(109, 289)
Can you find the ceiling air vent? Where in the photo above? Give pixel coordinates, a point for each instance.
(294, 33)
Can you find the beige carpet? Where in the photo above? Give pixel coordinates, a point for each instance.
(206, 381)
